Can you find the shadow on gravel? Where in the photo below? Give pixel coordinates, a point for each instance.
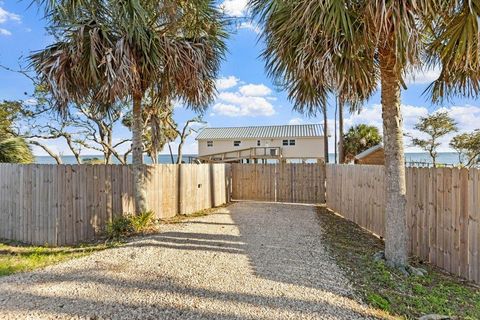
(282, 244)
(81, 307)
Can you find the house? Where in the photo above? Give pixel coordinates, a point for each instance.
(261, 143)
(373, 155)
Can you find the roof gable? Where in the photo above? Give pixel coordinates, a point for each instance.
(369, 151)
(262, 132)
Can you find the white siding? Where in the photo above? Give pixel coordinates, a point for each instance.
(311, 148)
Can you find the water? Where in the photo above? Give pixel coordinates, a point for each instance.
(447, 158)
(450, 158)
(164, 158)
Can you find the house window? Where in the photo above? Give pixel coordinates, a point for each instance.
(236, 143)
(258, 143)
(209, 143)
(292, 142)
(285, 142)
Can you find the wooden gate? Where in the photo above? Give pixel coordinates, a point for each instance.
(292, 182)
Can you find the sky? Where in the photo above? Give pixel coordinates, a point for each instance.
(246, 96)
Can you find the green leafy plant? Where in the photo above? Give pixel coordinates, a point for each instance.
(128, 225)
(143, 222)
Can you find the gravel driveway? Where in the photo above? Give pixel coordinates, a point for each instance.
(248, 261)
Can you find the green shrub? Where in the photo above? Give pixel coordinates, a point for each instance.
(143, 222)
(128, 225)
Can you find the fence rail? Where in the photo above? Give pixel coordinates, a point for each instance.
(443, 211)
(289, 182)
(68, 204)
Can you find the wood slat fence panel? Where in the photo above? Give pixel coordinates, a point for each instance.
(291, 182)
(443, 211)
(68, 204)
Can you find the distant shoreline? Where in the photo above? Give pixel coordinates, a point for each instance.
(450, 158)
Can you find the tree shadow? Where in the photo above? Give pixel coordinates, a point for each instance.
(91, 307)
(281, 243)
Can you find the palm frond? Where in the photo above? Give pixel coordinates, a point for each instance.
(111, 50)
(15, 150)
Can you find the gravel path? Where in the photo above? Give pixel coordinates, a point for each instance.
(248, 261)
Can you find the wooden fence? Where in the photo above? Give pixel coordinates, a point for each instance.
(292, 182)
(443, 211)
(68, 204)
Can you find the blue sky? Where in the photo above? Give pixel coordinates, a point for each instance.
(246, 95)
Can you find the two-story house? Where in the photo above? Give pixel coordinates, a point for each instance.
(261, 143)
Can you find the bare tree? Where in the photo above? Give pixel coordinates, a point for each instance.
(84, 127)
(185, 133)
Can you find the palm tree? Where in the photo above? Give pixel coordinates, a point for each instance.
(14, 150)
(313, 47)
(360, 138)
(108, 50)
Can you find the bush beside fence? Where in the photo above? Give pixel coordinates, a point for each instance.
(443, 211)
(68, 204)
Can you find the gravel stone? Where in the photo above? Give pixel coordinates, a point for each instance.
(247, 261)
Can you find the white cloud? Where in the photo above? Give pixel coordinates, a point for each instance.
(5, 32)
(296, 121)
(467, 117)
(250, 26)
(226, 82)
(246, 100)
(423, 76)
(228, 110)
(8, 16)
(235, 8)
(5, 17)
(235, 104)
(255, 90)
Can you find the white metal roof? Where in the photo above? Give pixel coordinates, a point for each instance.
(369, 151)
(262, 132)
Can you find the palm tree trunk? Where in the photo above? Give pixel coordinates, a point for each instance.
(137, 156)
(325, 134)
(341, 153)
(396, 222)
(335, 134)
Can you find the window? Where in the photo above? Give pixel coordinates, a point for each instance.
(258, 143)
(236, 143)
(209, 143)
(285, 142)
(292, 142)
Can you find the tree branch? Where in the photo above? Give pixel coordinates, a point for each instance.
(57, 158)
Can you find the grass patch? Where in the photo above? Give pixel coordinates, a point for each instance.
(16, 257)
(389, 290)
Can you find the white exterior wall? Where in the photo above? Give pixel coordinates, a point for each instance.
(311, 148)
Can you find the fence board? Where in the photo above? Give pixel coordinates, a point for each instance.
(292, 182)
(68, 204)
(443, 211)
